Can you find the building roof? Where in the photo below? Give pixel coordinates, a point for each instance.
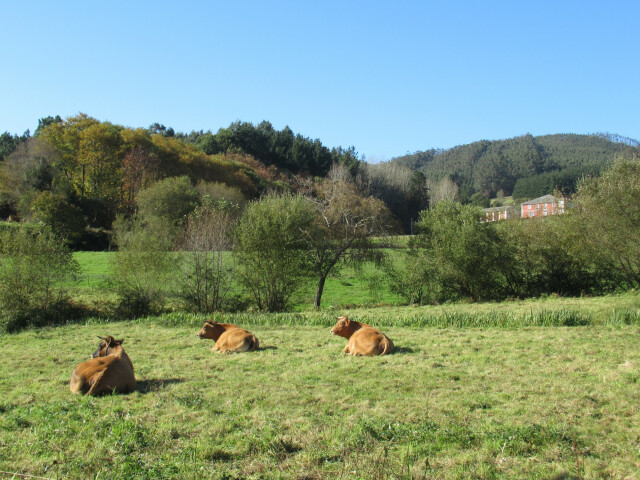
(543, 199)
(498, 209)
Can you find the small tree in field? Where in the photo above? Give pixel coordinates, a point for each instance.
(207, 266)
(271, 251)
(141, 268)
(33, 267)
(410, 277)
(342, 229)
(461, 255)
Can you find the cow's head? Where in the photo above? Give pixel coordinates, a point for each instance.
(106, 346)
(344, 327)
(211, 330)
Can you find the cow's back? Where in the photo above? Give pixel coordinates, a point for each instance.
(236, 340)
(103, 375)
(369, 341)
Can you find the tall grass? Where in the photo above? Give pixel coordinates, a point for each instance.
(408, 317)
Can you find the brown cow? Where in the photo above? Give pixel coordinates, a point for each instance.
(363, 339)
(229, 338)
(109, 370)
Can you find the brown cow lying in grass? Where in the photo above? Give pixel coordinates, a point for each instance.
(109, 370)
(229, 338)
(363, 339)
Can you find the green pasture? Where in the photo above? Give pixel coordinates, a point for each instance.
(364, 294)
(363, 286)
(450, 403)
(365, 290)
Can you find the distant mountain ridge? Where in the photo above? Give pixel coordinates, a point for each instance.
(525, 165)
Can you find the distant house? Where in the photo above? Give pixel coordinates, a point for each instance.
(494, 214)
(542, 207)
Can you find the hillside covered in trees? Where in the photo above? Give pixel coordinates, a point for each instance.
(524, 167)
(78, 174)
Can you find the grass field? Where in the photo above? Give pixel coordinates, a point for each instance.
(545, 388)
(532, 402)
(351, 287)
(359, 289)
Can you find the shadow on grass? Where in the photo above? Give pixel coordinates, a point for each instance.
(268, 347)
(155, 384)
(401, 350)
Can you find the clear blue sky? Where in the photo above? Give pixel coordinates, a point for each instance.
(385, 77)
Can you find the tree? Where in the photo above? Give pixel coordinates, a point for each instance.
(462, 255)
(8, 143)
(159, 129)
(417, 194)
(55, 211)
(45, 122)
(167, 202)
(544, 255)
(100, 162)
(609, 218)
(342, 229)
(35, 267)
(446, 190)
(141, 268)
(410, 277)
(66, 137)
(397, 186)
(140, 171)
(206, 267)
(28, 171)
(221, 195)
(479, 199)
(271, 251)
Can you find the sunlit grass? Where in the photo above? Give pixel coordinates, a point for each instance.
(351, 287)
(363, 290)
(529, 402)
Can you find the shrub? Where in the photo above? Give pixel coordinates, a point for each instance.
(464, 257)
(55, 211)
(171, 199)
(34, 267)
(140, 269)
(270, 250)
(206, 271)
(410, 278)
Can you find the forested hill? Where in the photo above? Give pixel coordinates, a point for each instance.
(524, 166)
(77, 174)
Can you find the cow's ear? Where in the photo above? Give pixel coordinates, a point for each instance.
(210, 322)
(119, 342)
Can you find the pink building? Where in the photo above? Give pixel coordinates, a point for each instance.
(542, 207)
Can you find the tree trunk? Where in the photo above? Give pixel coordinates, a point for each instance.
(316, 302)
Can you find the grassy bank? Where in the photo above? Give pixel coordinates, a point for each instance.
(618, 310)
(530, 402)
